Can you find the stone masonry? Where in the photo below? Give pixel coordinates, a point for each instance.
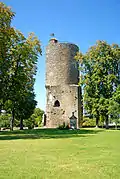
(62, 91)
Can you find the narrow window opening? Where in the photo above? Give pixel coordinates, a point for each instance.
(57, 103)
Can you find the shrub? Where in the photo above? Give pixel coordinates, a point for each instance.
(87, 122)
(63, 126)
(5, 120)
(30, 123)
(91, 122)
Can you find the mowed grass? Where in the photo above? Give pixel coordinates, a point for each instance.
(57, 154)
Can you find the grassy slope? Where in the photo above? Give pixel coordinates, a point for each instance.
(49, 154)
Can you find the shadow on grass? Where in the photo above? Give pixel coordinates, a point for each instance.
(46, 134)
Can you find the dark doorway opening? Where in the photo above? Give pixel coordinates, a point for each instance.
(57, 103)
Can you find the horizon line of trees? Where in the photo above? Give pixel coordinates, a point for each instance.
(35, 120)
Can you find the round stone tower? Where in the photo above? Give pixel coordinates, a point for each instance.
(62, 91)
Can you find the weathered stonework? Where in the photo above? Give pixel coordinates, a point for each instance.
(62, 91)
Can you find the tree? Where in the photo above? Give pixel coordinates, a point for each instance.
(6, 31)
(5, 120)
(101, 76)
(24, 56)
(18, 66)
(25, 108)
(35, 119)
(38, 114)
(114, 106)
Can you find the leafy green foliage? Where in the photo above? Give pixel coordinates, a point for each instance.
(63, 126)
(91, 122)
(114, 106)
(87, 122)
(18, 66)
(100, 77)
(5, 120)
(35, 120)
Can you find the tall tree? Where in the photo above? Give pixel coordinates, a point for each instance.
(6, 31)
(18, 65)
(24, 54)
(101, 77)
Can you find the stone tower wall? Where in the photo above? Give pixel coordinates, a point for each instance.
(61, 67)
(61, 83)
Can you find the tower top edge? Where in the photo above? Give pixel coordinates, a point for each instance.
(55, 42)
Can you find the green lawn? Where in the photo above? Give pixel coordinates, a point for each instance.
(53, 154)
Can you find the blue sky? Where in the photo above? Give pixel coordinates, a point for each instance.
(78, 21)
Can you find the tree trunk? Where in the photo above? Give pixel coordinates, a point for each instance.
(116, 126)
(21, 124)
(97, 121)
(12, 120)
(80, 108)
(106, 121)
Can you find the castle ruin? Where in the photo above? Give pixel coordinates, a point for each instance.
(62, 90)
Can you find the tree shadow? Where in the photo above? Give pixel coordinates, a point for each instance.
(46, 134)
